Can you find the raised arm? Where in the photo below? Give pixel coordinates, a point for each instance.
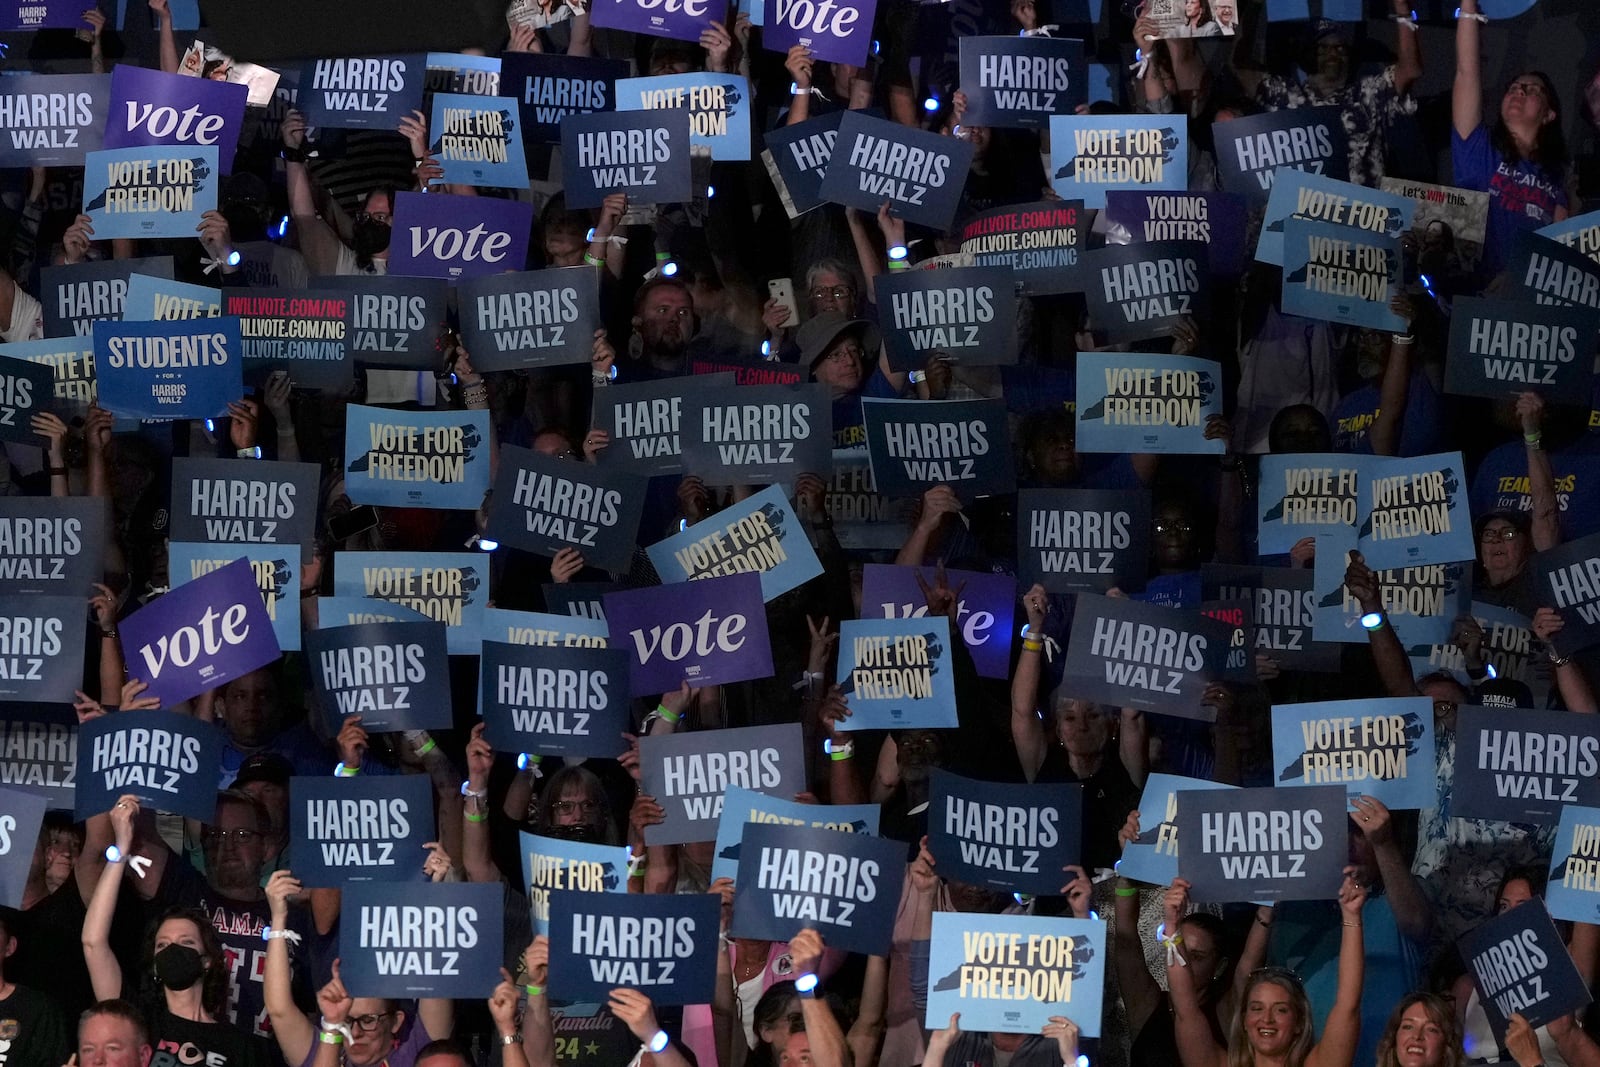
(318, 243)
(1412, 912)
(1546, 520)
(826, 1038)
(1576, 692)
(290, 1027)
(1408, 54)
(1396, 383)
(475, 857)
(1027, 733)
(1197, 1047)
(1466, 94)
(105, 973)
(1341, 1031)
(1387, 651)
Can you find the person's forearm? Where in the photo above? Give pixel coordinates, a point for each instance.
(799, 107)
(1026, 735)
(329, 1054)
(918, 542)
(1390, 657)
(1546, 519)
(581, 43)
(169, 46)
(292, 1029)
(1392, 393)
(1408, 53)
(1133, 745)
(111, 668)
(1466, 94)
(827, 1039)
(538, 1033)
(1576, 692)
(518, 793)
(1352, 971)
(105, 973)
(1254, 953)
(1413, 914)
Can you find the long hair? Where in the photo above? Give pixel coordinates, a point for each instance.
(599, 821)
(1240, 1054)
(1550, 146)
(1439, 1014)
(213, 983)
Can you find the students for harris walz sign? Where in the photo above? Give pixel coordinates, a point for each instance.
(1281, 612)
(1251, 150)
(796, 158)
(77, 295)
(1580, 232)
(1306, 495)
(664, 946)
(554, 701)
(305, 333)
(543, 628)
(1379, 748)
(347, 830)
(718, 104)
(1013, 837)
(438, 235)
(1091, 154)
(759, 533)
(152, 108)
(690, 775)
(148, 191)
(897, 673)
(1507, 346)
(1341, 274)
(1523, 768)
(277, 574)
(433, 939)
(919, 173)
(644, 154)
(1301, 195)
(168, 370)
(835, 31)
(1414, 511)
(1132, 402)
(553, 864)
(1082, 540)
(395, 675)
(26, 389)
(1552, 273)
(1567, 578)
(535, 318)
(447, 587)
(394, 322)
(844, 886)
(416, 459)
(41, 648)
(1021, 81)
(1263, 845)
(1520, 965)
(1009, 974)
(542, 504)
(968, 314)
(915, 445)
(644, 420)
(51, 545)
(1135, 292)
(706, 632)
(51, 120)
(1217, 220)
(39, 751)
(986, 605)
(476, 143)
(548, 88)
(1152, 857)
(260, 502)
(21, 816)
(1040, 242)
(1573, 889)
(372, 93)
(1145, 656)
(752, 434)
(159, 300)
(165, 759)
(1420, 601)
(741, 806)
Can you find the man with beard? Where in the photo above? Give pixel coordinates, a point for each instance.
(664, 328)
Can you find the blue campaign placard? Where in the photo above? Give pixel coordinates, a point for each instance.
(897, 673)
(683, 21)
(21, 815)
(541, 628)
(1306, 495)
(77, 295)
(166, 759)
(151, 107)
(741, 806)
(434, 939)
(964, 314)
(347, 830)
(1008, 974)
(168, 370)
(201, 635)
(416, 459)
(1040, 242)
(530, 318)
(1012, 837)
(705, 632)
(1500, 773)
(1303, 195)
(52, 545)
(152, 299)
(26, 389)
(1135, 402)
(1231, 855)
(368, 93)
(355, 610)
(264, 502)
(554, 701)
(1415, 511)
(1083, 540)
(719, 107)
(1214, 218)
(475, 140)
(915, 445)
(1378, 747)
(986, 605)
(757, 434)
(779, 894)
(919, 173)
(760, 534)
(644, 154)
(1282, 617)
(663, 945)
(1303, 10)
(39, 751)
(1090, 154)
(1021, 81)
(277, 573)
(1136, 292)
(1573, 891)
(305, 334)
(553, 864)
(1509, 646)
(71, 359)
(1580, 232)
(1551, 272)
(1542, 985)
(43, 663)
(543, 504)
(690, 774)
(1421, 601)
(1568, 579)
(548, 88)
(26, 16)
(457, 72)
(439, 235)
(51, 119)
(1152, 857)
(796, 159)
(1499, 347)
(149, 191)
(447, 587)
(1341, 274)
(1253, 150)
(1111, 657)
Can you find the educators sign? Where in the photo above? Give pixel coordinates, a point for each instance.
(554, 701)
(759, 533)
(1132, 402)
(149, 191)
(1506, 346)
(1341, 274)
(705, 633)
(844, 886)
(537, 318)
(919, 173)
(165, 759)
(416, 459)
(1015, 837)
(690, 774)
(168, 370)
(1082, 540)
(1145, 656)
(897, 673)
(1090, 154)
(345, 830)
(1009, 974)
(966, 314)
(1263, 845)
(542, 504)
(915, 445)
(1524, 767)
(434, 939)
(665, 946)
(644, 154)
(1376, 747)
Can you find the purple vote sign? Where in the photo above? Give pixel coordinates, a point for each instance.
(149, 107)
(683, 20)
(441, 236)
(704, 632)
(839, 31)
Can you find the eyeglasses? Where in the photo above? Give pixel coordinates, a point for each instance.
(571, 807)
(238, 836)
(844, 354)
(1525, 89)
(837, 292)
(368, 1022)
(373, 216)
(1444, 708)
(1499, 533)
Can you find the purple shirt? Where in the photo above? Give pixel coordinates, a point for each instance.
(404, 1053)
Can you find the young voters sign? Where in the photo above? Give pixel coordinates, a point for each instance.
(1013, 837)
(150, 107)
(663, 945)
(416, 459)
(395, 675)
(705, 632)
(844, 886)
(1379, 748)
(644, 154)
(1524, 767)
(1341, 274)
(985, 607)
(1145, 656)
(897, 673)
(149, 191)
(1263, 845)
(168, 370)
(915, 445)
(1251, 150)
(1414, 511)
(967, 314)
(1152, 857)
(554, 701)
(719, 107)
(742, 806)
(349, 830)
(1499, 347)
(1021, 81)
(1132, 402)
(1090, 154)
(690, 775)
(1082, 540)
(1217, 220)
(919, 173)
(432, 939)
(542, 504)
(1009, 974)
(165, 759)
(554, 864)
(760, 534)
(370, 93)
(1573, 890)
(535, 318)
(1520, 966)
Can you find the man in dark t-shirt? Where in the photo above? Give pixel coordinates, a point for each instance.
(33, 1031)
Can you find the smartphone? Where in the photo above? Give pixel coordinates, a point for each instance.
(782, 290)
(356, 520)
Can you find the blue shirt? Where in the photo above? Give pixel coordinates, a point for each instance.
(1419, 426)
(1522, 195)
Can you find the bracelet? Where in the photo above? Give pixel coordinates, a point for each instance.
(1403, 338)
(475, 818)
(427, 746)
(347, 772)
(533, 990)
(637, 863)
(1409, 21)
(1476, 16)
(110, 634)
(475, 394)
(511, 1039)
(1357, 926)
(253, 452)
(293, 155)
(671, 716)
(1559, 661)
(468, 791)
(1032, 644)
(331, 1037)
(842, 750)
(1533, 439)
(899, 264)
(1126, 891)
(593, 261)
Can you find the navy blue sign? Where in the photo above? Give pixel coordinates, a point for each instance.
(758, 434)
(644, 419)
(1520, 966)
(41, 659)
(52, 544)
(150, 107)
(1251, 149)
(967, 314)
(168, 370)
(395, 675)
(25, 16)
(534, 318)
(437, 939)
(394, 322)
(1140, 291)
(1022, 81)
(918, 444)
(783, 888)
(26, 389)
(1504, 346)
(986, 604)
(1263, 844)
(1568, 579)
(21, 815)
(1281, 617)
(664, 946)
(550, 87)
(797, 157)
(554, 700)
(1082, 540)
(167, 760)
(1015, 837)
(1524, 767)
(263, 502)
(690, 774)
(345, 830)
(919, 173)
(372, 93)
(543, 504)
(1137, 655)
(304, 333)
(51, 120)
(1552, 273)
(201, 635)
(437, 235)
(705, 633)
(644, 154)
(78, 295)
(39, 751)
(1040, 242)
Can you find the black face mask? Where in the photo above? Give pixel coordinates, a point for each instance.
(179, 966)
(369, 237)
(246, 221)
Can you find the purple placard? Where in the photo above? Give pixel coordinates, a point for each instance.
(985, 608)
(837, 32)
(683, 20)
(704, 632)
(199, 636)
(441, 236)
(149, 107)
(1217, 219)
(28, 15)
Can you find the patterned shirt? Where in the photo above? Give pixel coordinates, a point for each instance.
(1367, 106)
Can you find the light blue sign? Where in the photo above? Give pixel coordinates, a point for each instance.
(72, 360)
(169, 370)
(1303, 195)
(475, 140)
(1153, 857)
(1573, 891)
(1580, 233)
(153, 299)
(1306, 495)
(149, 191)
(1379, 747)
(1008, 974)
(718, 105)
(1134, 402)
(741, 806)
(447, 587)
(551, 863)
(897, 673)
(1340, 274)
(1414, 511)
(540, 628)
(416, 459)
(356, 610)
(759, 534)
(1420, 601)
(1092, 153)
(277, 571)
